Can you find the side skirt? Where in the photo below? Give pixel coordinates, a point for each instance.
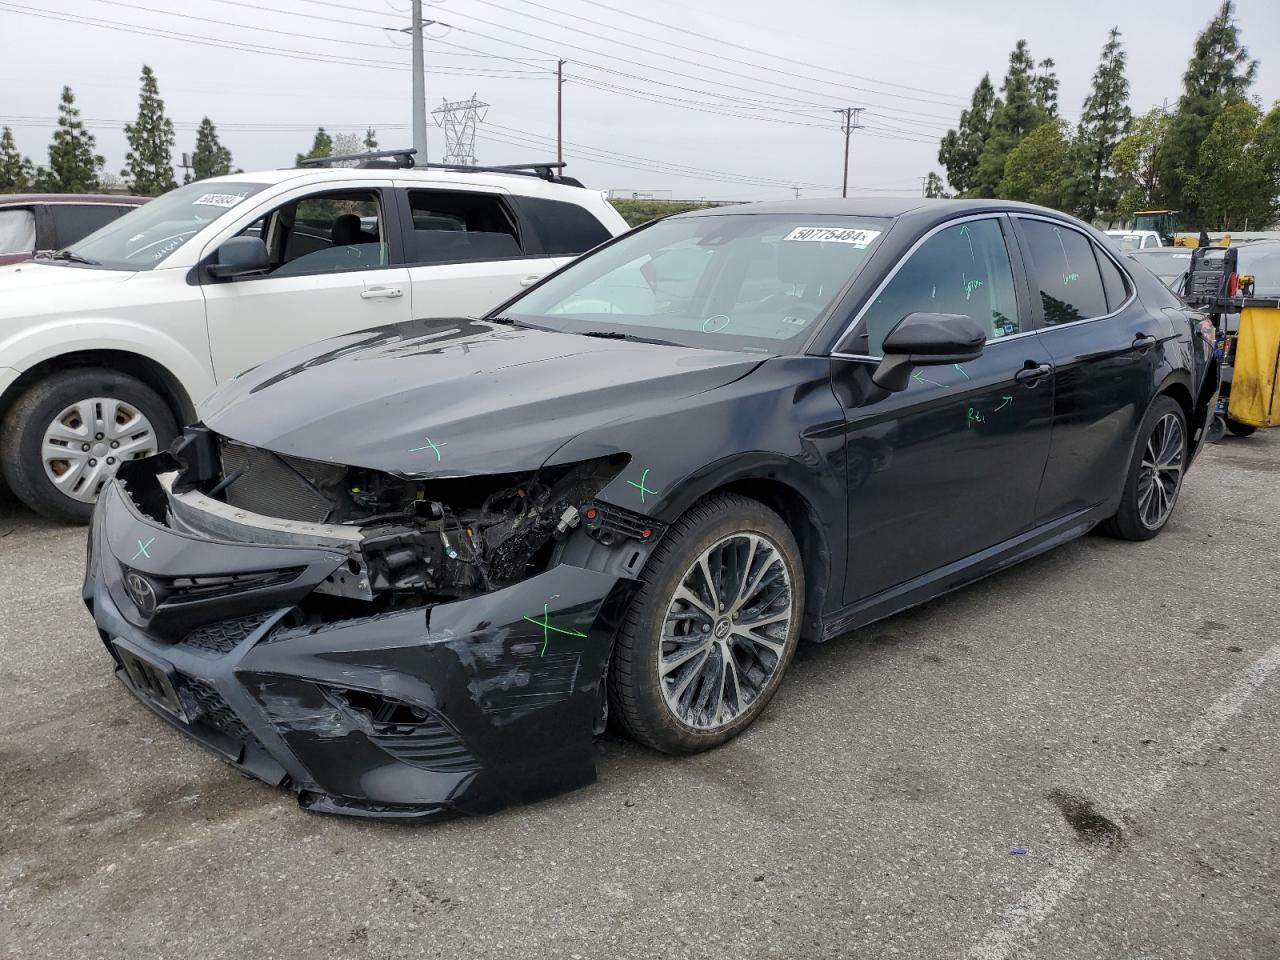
(960, 573)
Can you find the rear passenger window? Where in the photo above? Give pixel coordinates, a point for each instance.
(565, 229)
(72, 222)
(1113, 281)
(1064, 272)
(17, 231)
(461, 227)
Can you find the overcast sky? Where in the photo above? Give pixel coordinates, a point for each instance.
(741, 90)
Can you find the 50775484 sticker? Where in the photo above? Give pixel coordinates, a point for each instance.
(859, 238)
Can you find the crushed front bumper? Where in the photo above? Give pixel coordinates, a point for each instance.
(464, 706)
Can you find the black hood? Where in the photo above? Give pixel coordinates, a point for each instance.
(454, 397)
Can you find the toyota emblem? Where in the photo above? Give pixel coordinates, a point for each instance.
(142, 592)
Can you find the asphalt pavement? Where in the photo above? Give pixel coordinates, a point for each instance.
(1075, 759)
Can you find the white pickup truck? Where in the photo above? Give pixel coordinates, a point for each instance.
(107, 346)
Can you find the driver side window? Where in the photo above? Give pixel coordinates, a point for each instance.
(333, 232)
(962, 269)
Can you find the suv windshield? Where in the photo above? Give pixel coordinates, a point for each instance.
(729, 281)
(141, 239)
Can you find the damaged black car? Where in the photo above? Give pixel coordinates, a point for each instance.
(414, 571)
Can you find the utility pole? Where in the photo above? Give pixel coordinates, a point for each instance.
(559, 111)
(797, 192)
(924, 186)
(850, 123)
(419, 86)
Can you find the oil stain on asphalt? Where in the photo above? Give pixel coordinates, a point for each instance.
(1083, 817)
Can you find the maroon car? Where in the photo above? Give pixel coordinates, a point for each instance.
(32, 223)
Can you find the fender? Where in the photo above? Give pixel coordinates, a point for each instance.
(39, 343)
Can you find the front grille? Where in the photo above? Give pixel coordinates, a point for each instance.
(215, 712)
(220, 638)
(278, 486)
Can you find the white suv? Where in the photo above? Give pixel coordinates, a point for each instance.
(106, 347)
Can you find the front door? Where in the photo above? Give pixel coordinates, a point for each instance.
(335, 269)
(1105, 350)
(951, 465)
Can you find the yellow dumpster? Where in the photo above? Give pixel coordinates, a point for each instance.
(1255, 387)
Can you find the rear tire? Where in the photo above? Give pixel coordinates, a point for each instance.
(44, 436)
(1239, 429)
(690, 674)
(1155, 474)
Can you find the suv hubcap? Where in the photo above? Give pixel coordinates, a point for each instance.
(87, 442)
(725, 631)
(1160, 474)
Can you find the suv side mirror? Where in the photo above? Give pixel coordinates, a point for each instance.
(239, 257)
(927, 339)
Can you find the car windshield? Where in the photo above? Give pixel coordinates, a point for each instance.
(1262, 262)
(728, 281)
(1170, 266)
(141, 239)
(1127, 241)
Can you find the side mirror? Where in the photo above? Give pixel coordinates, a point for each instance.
(239, 257)
(927, 339)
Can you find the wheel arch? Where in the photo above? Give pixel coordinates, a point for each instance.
(151, 372)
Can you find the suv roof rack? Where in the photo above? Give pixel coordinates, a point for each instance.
(404, 159)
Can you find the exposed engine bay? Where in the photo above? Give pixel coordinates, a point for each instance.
(407, 542)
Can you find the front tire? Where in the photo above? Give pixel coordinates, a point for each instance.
(1155, 473)
(67, 435)
(709, 636)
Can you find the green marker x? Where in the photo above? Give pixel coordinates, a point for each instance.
(435, 447)
(640, 486)
(548, 629)
(142, 550)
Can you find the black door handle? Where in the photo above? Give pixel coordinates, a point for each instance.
(1032, 372)
(1143, 342)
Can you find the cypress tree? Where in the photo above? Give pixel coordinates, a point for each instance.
(148, 165)
(73, 166)
(1218, 74)
(211, 158)
(1028, 99)
(17, 173)
(1104, 122)
(321, 146)
(371, 139)
(961, 147)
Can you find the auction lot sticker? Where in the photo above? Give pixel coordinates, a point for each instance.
(219, 199)
(859, 238)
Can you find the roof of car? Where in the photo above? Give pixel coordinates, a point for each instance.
(517, 183)
(877, 207)
(14, 199)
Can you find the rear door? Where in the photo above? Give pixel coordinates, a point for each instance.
(337, 266)
(467, 249)
(951, 465)
(1105, 349)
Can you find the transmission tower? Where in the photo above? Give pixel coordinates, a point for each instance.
(459, 118)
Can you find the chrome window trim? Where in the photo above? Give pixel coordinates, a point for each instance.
(994, 215)
(1133, 287)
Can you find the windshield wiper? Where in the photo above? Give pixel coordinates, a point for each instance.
(632, 337)
(67, 255)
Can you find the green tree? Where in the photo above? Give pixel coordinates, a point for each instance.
(961, 147)
(1028, 99)
(17, 173)
(1219, 72)
(1136, 164)
(1038, 169)
(210, 158)
(934, 188)
(371, 139)
(321, 146)
(1234, 184)
(1103, 124)
(73, 166)
(148, 164)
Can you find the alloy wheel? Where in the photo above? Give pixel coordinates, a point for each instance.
(725, 631)
(1160, 473)
(86, 443)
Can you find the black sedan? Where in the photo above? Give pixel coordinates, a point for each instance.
(414, 570)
